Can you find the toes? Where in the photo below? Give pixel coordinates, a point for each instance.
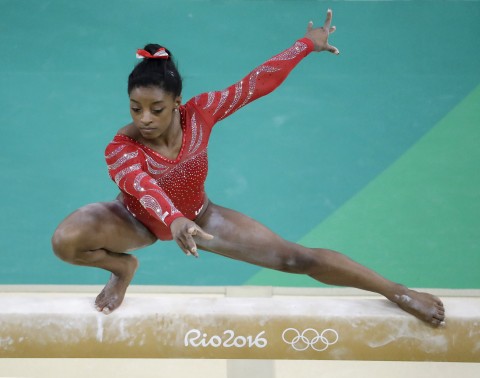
(106, 304)
(439, 305)
(438, 301)
(435, 322)
(99, 306)
(438, 323)
(100, 302)
(105, 308)
(440, 311)
(438, 318)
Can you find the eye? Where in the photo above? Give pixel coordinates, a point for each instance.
(135, 110)
(157, 111)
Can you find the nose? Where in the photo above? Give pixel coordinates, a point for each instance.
(146, 118)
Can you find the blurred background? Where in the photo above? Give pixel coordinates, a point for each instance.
(374, 152)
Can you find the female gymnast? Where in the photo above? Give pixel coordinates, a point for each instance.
(159, 162)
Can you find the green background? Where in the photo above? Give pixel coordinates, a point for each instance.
(374, 153)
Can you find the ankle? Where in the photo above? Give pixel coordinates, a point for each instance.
(395, 292)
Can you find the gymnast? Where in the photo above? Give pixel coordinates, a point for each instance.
(159, 162)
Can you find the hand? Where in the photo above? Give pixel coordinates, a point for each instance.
(319, 36)
(183, 230)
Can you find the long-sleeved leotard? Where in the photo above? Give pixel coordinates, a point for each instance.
(157, 190)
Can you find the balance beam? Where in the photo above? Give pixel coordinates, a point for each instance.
(233, 323)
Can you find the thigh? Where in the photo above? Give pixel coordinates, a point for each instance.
(242, 238)
(104, 225)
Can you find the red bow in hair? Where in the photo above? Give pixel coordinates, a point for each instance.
(159, 54)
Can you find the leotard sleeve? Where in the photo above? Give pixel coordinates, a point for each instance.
(259, 82)
(127, 168)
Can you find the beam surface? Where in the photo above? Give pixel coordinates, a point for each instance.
(238, 323)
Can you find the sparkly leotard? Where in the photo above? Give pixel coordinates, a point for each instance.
(157, 190)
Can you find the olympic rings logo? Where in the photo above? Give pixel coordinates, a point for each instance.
(310, 338)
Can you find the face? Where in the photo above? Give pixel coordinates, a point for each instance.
(152, 110)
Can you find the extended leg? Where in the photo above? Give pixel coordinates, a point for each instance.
(99, 235)
(240, 237)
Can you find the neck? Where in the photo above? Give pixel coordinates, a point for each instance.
(170, 142)
(170, 136)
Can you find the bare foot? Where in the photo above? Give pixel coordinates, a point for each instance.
(111, 297)
(424, 306)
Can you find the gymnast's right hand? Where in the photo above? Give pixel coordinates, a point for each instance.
(183, 230)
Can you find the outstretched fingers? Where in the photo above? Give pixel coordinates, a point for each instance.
(330, 29)
(319, 36)
(310, 28)
(332, 49)
(328, 20)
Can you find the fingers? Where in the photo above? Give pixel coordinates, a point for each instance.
(186, 242)
(187, 245)
(332, 49)
(328, 20)
(319, 36)
(197, 231)
(310, 26)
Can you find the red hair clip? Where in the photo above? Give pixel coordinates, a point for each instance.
(159, 54)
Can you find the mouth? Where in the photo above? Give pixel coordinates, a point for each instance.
(147, 129)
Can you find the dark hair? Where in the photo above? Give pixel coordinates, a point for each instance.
(160, 73)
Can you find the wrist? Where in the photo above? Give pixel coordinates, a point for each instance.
(172, 218)
(310, 44)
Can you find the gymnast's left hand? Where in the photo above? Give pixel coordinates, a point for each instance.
(319, 36)
(183, 230)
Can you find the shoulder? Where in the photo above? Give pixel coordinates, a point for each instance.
(129, 130)
(124, 141)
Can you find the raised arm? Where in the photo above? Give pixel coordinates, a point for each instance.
(262, 80)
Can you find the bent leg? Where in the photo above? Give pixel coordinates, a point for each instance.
(242, 238)
(99, 235)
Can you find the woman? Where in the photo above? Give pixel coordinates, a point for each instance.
(159, 161)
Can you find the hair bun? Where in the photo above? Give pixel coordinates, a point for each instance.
(152, 48)
(156, 68)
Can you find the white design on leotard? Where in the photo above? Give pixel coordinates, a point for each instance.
(122, 159)
(114, 152)
(150, 202)
(252, 83)
(120, 175)
(223, 98)
(292, 52)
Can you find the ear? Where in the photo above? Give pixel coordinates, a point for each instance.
(178, 101)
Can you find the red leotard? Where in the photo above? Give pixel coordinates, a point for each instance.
(157, 190)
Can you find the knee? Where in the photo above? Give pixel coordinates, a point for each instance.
(76, 234)
(64, 243)
(300, 261)
(72, 244)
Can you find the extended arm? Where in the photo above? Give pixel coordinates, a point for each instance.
(262, 80)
